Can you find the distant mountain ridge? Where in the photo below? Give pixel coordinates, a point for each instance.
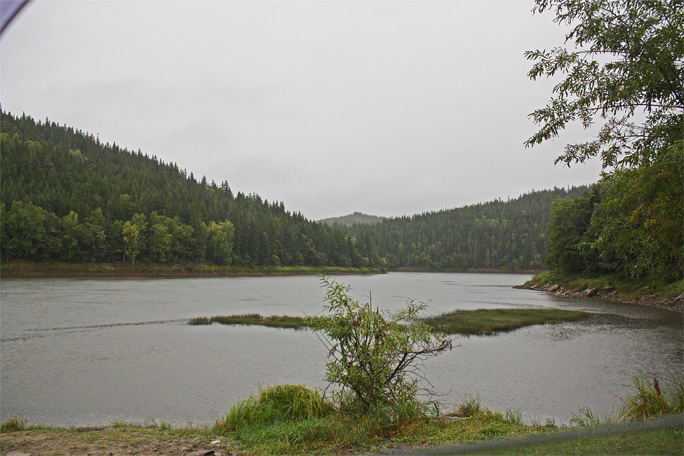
(352, 219)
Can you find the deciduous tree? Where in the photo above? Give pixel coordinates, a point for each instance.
(624, 68)
(373, 354)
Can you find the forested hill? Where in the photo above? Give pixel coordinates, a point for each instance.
(67, 196)
(495, 235)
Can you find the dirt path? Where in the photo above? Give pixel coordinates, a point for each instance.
(111, 441)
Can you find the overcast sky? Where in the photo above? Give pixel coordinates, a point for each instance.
(331, 106)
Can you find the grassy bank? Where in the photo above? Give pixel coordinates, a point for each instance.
(628, 288)
(293, 419)
(61, 269)
(463, 322)
(469, 430)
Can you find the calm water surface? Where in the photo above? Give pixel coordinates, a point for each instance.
(78, 352)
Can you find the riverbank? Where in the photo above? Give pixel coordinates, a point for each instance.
(668, 298)
(60, 269)
(483, 433)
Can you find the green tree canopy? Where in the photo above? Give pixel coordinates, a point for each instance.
(626, 71)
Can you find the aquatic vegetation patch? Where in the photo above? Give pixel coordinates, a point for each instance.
(463, 322)
(492, 321)
(274, 321)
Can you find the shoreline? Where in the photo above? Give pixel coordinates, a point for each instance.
(15, 269)
(468, 271)
(610, 293)
(104, 270)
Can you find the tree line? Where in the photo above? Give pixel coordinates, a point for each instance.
(622, 71)
(494, 235)
(629, 224)
(67, 196)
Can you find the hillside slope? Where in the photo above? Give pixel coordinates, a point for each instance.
(68, 197)
(494, 235)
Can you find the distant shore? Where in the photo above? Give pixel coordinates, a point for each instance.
(61, 269)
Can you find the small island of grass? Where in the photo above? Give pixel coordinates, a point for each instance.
(463, 322)
(492, 321)
(274, 321)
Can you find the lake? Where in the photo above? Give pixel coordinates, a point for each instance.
(88, 352)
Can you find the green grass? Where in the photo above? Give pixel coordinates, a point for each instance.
(274, 321)
(646, 442)
(291, 419)
(492, 321)
(295, 420)
(653, 398)
(277, 404)
(471, 429)
(12, 425)
(471, 406)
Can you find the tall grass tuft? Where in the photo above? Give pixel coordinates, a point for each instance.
(652, 398)
(471, 406)
(587, 418)
(280, 403)
(12, 425)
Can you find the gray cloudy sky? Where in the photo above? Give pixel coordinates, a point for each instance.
(331, 106)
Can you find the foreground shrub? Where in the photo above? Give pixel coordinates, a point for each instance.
(374, 355)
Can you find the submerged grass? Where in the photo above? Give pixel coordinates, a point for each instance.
(491, 321)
